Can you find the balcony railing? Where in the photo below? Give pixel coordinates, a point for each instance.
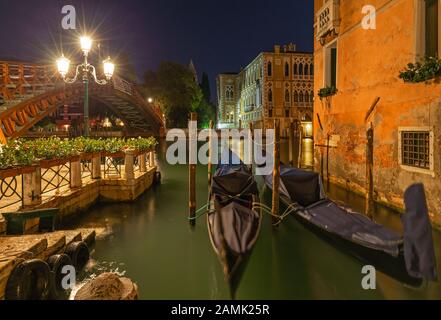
(328, 19)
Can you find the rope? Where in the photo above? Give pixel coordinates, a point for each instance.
(198, 215)
(292, 208)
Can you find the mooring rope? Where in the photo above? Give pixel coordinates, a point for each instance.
(198, 215)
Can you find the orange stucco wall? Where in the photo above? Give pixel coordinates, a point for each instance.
(369, 62)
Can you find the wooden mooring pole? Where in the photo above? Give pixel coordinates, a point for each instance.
(276, 169)
(251, 145)
(192, 168)
(300, 128)
(291, 142)
(369, 171)
(327, 157)
(370, 160)
(210, 165)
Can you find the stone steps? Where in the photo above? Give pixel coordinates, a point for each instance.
(39, 246)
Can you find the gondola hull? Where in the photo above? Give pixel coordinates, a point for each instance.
(389, 260)
(233, 262)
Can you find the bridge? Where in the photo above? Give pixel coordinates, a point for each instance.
(30, 92)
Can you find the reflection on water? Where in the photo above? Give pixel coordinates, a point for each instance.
(151, 242)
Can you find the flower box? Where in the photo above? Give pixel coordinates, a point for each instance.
(16, 171)
(46, 164)
(90, 155)
(119, 154)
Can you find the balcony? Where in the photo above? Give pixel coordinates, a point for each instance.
(328, 20)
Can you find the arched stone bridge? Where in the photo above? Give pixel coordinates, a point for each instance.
(30, 92)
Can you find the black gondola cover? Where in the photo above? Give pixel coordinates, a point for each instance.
(418, 243)
(303, 186)
(239, 225)
(233, 180)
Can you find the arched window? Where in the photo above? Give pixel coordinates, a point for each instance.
(296, 96)
(306, 71)
(311, 70)
(229, 93)
(301, 69)
(270, 95)
(286, 69)
(301, 98)
(287, 97)
(296, 69)
(311, 96)
(270, 69)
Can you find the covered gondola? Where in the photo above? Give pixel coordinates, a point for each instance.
(409, 258)
(233, 220)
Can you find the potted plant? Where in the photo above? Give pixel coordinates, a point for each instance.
(16, 159)
(428, 69)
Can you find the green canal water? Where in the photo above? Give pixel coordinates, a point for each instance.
(151, 242)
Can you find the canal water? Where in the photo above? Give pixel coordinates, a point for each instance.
(151, 242)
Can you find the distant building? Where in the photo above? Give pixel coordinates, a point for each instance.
(365, 63)
(275, 84)
(227, 93)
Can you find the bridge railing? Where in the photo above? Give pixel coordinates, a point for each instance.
(129, 88)
(20, 79)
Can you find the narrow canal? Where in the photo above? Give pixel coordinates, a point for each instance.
(151, 242)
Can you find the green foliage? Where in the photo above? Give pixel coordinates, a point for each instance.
(141, 144)
(429, 69)
(26, 152)
(51, 148)
(174, 88)
(89, 145)
(205, 87)
(327, 92)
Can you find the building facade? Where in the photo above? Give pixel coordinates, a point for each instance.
(361, 50)
(275, 84)
(227, 91)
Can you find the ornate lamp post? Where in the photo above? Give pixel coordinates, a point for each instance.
(86, 69)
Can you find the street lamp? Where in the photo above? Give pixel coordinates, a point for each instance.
(86, 69)
(150, 100)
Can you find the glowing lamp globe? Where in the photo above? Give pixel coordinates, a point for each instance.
(109, 68)
(63, 66)
(86, 44)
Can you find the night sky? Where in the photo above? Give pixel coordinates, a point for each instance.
(219, 35)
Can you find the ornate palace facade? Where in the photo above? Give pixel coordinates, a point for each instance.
(275, 84)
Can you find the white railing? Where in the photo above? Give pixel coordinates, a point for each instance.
(328, 18)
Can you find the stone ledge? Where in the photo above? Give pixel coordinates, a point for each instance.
(39, 246)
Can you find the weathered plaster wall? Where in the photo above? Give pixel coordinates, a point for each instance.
(369, 62)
